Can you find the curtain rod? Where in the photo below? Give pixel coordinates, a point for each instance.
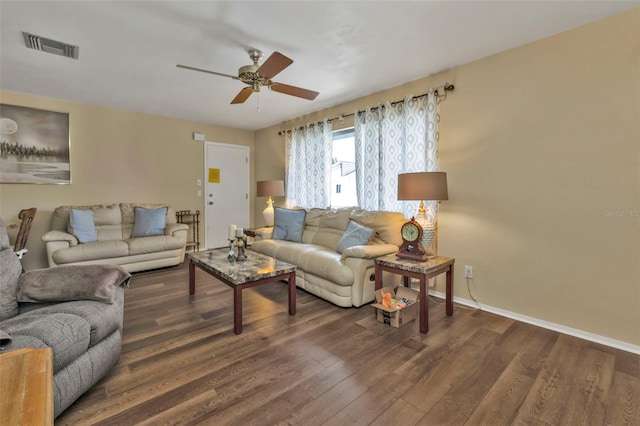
(446, 88)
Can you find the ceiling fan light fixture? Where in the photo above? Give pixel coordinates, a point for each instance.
(256, 75)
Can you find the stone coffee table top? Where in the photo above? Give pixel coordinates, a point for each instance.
(256, 267)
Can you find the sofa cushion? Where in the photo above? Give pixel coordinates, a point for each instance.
(92, 251)
(149, 222)
(67, 334)
(332, 225)
(11, 269)
(355, 235)
(325, 263)
(81, 226)
(336, 219)
(154, 244)
(288, 224)
(386, 224)
(107, 220)
(310, 258)
(311, 224)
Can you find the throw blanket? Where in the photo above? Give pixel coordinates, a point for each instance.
(72, 282)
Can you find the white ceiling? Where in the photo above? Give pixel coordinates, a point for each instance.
(344, 50)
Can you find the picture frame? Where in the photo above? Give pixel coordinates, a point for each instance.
(34, 146)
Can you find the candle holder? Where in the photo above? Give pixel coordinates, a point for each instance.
(242, 254)
(232, 256)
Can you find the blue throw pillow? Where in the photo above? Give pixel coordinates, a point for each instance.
(355, 235)
(289, 224)
(149, 222)
(81, 226)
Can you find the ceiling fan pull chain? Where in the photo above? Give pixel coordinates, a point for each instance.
(258, 102)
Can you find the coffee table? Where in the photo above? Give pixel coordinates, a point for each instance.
(256, 270)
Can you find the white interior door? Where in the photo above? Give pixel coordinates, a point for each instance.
(226, 191)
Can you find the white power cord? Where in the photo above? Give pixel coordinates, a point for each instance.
(471, 294)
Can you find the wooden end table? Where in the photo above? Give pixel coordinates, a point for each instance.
(26, 386)
(422, 271)
(256, 270)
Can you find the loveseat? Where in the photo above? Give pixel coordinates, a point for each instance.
(77, 311)
(115, 240)
(329, 263)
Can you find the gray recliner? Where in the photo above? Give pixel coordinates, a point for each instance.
(85, 335)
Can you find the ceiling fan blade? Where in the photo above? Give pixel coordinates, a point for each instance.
(207, 71)
(243, 95)
(294, 91)
(273, 65)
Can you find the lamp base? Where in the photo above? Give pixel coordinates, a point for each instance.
(268, 212)
(428, 230)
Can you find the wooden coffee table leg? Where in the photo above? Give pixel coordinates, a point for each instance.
(192, 278)
(237, 309)
(292, 293)
(424, 305)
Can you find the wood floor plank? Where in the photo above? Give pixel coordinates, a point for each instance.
(591, 384)
(400, 413)
(447, 364)
(530, 346)
(623, 407)
(181, 363)
(553, 387)
(466, 391)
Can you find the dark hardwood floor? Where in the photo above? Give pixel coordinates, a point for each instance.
(182, 364)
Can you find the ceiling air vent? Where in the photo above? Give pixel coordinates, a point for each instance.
(50, 46)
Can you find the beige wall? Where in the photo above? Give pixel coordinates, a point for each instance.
(117, 156)
(541, 144)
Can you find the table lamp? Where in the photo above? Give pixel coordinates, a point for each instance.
(430, 186)
(269, 188)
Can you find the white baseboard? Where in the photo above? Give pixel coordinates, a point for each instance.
(603, 340)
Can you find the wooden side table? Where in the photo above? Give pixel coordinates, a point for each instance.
(422, 271)
(193, 220)
(26, 386)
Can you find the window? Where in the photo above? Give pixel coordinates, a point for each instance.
(343, 169)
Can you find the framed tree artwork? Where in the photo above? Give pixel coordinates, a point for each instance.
(34, 146)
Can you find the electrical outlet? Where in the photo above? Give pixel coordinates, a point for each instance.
(468, 271)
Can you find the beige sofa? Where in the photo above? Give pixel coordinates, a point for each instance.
(114, 225)
(345, 279)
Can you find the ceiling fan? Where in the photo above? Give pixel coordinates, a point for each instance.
(260, 75)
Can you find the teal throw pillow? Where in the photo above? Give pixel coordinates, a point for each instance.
(81, 226)
(289, 224)
(355, 235)
(149, 222)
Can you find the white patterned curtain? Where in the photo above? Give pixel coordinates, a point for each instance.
(394, 139)
(308, 165)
